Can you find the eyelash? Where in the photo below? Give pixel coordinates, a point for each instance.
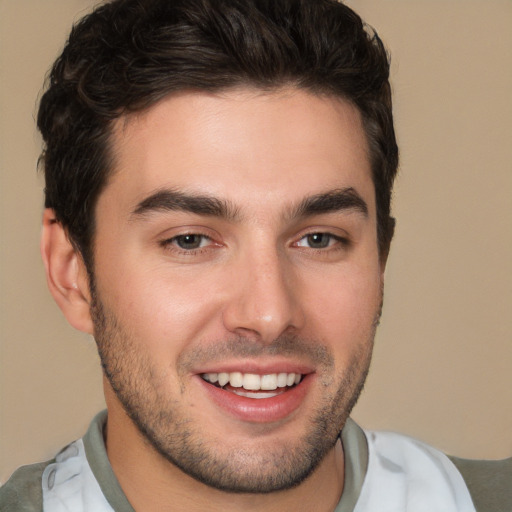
(334, 243)
(172, 243)
(339, 241)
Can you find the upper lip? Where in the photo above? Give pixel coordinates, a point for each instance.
(256, 367)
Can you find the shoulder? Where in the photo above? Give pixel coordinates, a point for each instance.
(23, 491)
(489, 483)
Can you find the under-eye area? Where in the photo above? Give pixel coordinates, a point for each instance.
(252, 385)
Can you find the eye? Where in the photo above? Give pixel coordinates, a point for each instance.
(319, 240)
(189, 242)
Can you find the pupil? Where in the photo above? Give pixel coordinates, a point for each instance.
(318, 240)
(189, 241)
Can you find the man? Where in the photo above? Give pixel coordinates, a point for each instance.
(218, 184)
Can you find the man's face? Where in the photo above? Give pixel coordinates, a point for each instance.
(237, 280)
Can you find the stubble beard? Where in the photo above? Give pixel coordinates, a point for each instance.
(163, 422)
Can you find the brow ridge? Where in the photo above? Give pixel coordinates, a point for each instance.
(331, 202)
(173, 200)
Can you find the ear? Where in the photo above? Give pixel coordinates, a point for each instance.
(66, 274)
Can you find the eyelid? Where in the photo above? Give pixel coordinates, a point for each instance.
(336, 232)
(167, 239)
(174, 239)
(334, 238)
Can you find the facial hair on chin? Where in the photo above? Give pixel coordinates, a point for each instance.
(165, 424)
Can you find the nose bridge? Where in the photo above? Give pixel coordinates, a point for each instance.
(264, 302)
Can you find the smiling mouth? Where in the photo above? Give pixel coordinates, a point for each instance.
(252, 385)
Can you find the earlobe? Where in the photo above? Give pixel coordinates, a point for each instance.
(66, 274)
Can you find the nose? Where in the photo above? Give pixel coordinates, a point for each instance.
(264, 299)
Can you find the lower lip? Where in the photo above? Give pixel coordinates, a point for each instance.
(259, 410)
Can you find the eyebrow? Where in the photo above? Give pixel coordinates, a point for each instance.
(346, 199)
(172, 200)
(331, 202)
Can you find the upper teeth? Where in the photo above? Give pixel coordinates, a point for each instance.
(252, 381)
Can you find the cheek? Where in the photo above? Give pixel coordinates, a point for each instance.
(344, 308)
(157, 305)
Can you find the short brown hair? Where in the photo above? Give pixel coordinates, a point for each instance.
(128, 54)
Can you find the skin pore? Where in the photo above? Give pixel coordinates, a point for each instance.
(237, 235)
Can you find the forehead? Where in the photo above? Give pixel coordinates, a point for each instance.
(243, 145)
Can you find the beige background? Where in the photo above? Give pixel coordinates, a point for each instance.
(443, 364)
